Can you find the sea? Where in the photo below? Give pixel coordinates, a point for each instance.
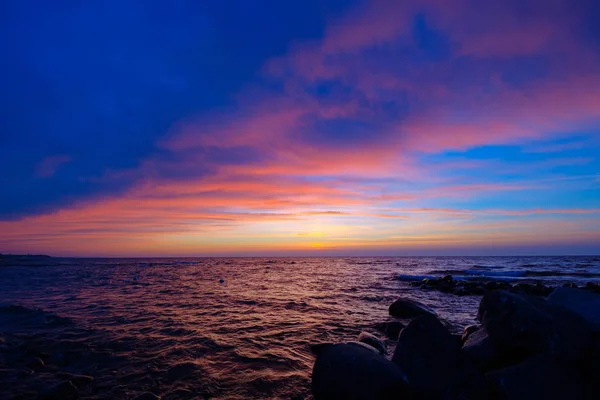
(222, 328)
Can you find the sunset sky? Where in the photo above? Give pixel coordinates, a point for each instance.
(309, 127)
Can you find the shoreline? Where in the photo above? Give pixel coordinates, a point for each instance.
(526, 345)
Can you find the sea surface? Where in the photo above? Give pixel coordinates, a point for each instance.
(171, 327)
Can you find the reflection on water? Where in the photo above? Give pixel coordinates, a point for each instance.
(172, 328)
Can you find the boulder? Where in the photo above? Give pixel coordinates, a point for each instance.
(539, 377)
(364, 346)
(61, 391)
(468, 331)
(531, 325)
(344, 371)
(374, 341)
(406, 308)
(391, 329)
(479, 350)
(428, 354)
(582, 302)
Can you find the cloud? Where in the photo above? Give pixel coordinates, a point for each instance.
(334, 127)
(49, 165)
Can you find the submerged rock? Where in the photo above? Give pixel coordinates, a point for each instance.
(428, 354)
(344, 371)
(61, 391)
(407, 308)
(582, 302)
(532, 325)
(374, 341)
(540, 377)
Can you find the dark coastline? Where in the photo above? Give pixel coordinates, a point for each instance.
(27, 260)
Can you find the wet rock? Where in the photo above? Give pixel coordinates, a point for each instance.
(374, 341)
(35, 363)
(428, 355)
(147, 396)
(540, 377)
(61, 391)
(364, 346)
(78, 380)
(480, 351)
(468, 331)
(391, 329)
(345, 371)
(582, 302)
(531, 325)
(181, 371)
(406, 308)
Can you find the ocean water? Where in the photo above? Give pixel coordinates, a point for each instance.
(170, 327)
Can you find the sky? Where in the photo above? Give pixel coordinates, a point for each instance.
(314, 127)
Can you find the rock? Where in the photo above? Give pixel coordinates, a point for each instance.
(468, 331)
(428, 355)
(35, 363)
(61, 391)
(78, 380)
(480, 351)
(344, 371)
(391, 329)
(147, 396)
(582, 302)
(406, 308)
(364, 346)
(531, 325)
(181, 371)
(540, 377)
(374, 341)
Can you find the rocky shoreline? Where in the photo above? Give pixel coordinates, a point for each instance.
(448, 284)
(532, 342)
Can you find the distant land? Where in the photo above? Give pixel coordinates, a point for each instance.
(26, 260)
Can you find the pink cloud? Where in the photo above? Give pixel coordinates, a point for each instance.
(49, 165)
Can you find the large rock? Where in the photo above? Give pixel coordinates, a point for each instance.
(468, 331)
(391, 329)
(479, 349)
(540, 377)
(582, 302)
(530, 325)
(406, 308)
(344, 371)
(374, 341)
(428, 354)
